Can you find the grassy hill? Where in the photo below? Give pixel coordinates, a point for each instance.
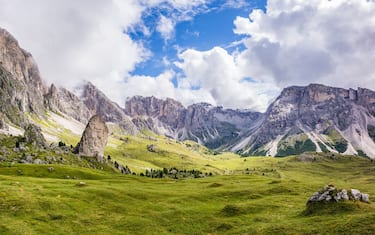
(268, 197)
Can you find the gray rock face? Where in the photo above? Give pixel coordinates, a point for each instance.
(94, 139)
(33, 135)
(317, 111)
(22, 88)
(213, 126)
(64, 101)
(97, 103)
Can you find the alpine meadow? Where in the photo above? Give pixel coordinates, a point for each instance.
(187, 117)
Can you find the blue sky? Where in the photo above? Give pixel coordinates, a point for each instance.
(232, 53)
(205, 29)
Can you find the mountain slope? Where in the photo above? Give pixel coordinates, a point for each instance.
(316, 118)
(98, 103)
(21, 86)
(214, 127)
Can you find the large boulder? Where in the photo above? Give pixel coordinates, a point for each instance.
(94, 139)
(33, 135)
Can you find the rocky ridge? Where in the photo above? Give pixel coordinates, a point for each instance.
(212, 126)
(316, 118)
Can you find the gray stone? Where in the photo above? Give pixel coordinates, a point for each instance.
(356, 194)
(94, 139)
(365, 198)
(38, 161)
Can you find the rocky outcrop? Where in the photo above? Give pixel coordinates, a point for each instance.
(330, 194)
(97, 103)
(33, 135)
(94, 139)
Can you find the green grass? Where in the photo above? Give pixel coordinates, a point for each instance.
(43, 202)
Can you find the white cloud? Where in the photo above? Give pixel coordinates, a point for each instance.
(165, 27)
(299, 42)
(217, 73)
(75, 40)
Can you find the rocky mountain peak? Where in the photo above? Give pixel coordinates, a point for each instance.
(22, 88)
(151, 106)
(98, 103)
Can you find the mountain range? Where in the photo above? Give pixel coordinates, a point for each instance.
(314, 118)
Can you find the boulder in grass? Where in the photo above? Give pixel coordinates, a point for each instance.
(331, 194)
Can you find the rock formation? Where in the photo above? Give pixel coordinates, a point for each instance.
(33, 135)
(94, 139)
(330, 194)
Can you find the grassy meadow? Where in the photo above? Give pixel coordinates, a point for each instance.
(256, 196)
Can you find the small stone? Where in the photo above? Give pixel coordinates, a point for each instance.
(81, 184)
(356, 194)
(50, 169)
(365, 198)
(38, 161)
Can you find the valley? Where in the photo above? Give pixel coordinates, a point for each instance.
(75, 162)
(270, 198)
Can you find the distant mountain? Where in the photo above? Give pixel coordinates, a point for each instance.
(316, 118)
(212, 126)
(98, 103)
(312, 118)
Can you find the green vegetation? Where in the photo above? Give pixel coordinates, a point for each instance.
(335, 140)
(323, 147)
(295, 144)
(371, 131)
(43, 202)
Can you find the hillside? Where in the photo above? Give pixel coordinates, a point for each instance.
(269, 198)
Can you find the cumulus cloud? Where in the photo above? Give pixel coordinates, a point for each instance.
(217, 73)
(299, 42)
(76, 40)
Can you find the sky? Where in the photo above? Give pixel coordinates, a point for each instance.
(230, 53)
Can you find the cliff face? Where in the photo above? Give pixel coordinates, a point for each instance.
(21, 86)
(213, 126)
(63, 101)
(97, 103)
(318, 118)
